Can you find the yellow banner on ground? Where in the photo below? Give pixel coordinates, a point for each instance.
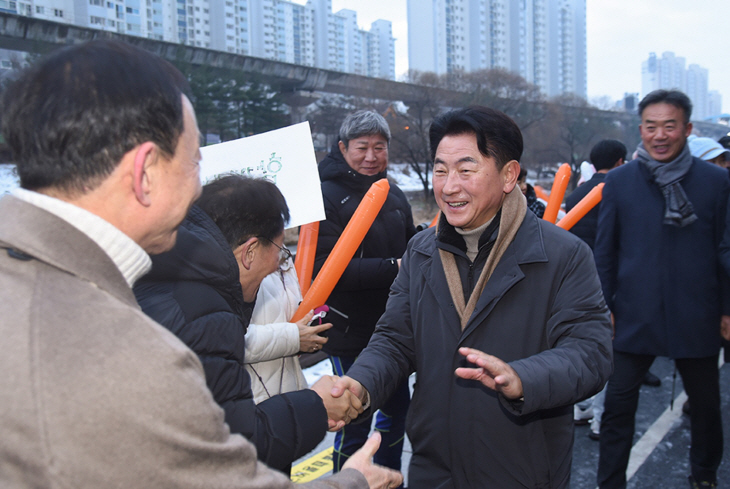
(313, 468)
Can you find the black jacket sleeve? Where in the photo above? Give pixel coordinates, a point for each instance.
(284, 427)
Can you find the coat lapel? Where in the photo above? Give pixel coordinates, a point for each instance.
(435, 280)
(527, 247)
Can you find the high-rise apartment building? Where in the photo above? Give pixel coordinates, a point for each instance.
(714, 103)
(310, 35)
(544, 41)
(671, 71)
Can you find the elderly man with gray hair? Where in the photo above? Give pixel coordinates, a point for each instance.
(355, 162)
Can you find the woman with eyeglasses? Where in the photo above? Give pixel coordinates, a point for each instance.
(273, 343)
(205, 290)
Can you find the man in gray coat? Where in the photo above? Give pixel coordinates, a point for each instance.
(500, 314)
(93, 392)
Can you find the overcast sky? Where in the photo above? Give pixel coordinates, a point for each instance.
(620, 35)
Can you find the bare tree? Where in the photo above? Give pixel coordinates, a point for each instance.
(409, 123)
(581, 126)
(506, 91)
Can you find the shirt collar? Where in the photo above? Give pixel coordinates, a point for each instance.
(131, 260)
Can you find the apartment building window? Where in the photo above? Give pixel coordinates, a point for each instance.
(100, 3)
(109, 5)
(57, 12)
(39, 10)
(93, 20)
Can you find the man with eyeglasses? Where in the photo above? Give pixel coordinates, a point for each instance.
(204, 291)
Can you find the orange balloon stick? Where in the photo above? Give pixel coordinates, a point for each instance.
(560, 184)
(435, 220)
(344, 249)
(587, 203)
(306, 248)
(540, 192)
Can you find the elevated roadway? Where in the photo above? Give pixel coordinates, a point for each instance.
(40, 36)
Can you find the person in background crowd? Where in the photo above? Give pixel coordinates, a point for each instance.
(725, 247)
(356, 161)
(529, 192)
(204, 291)
(724, 142)
(605, 156)
(586, 170)
(496, 380)
(709, 150)
(96, 394)
(645, 261)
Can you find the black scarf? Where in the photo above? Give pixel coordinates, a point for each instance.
(678, 210)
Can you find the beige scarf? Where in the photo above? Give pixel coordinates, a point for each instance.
(513, 213)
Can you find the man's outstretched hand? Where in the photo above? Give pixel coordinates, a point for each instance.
(378, 477)
(492, 372)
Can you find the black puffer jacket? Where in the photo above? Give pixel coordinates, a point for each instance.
(363, 289)
(194, 291)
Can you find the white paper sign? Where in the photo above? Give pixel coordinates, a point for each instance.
(285, 156)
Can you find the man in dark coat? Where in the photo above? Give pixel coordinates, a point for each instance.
(605, 155)
(661, 221)
(357, 160)
(501, 316)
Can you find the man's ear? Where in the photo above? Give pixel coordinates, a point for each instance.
(343, 148)
(510, 173)
(145, 157)
(246, 252)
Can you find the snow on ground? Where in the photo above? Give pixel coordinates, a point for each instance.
(316, 371)
(406, 178)
(8, 180)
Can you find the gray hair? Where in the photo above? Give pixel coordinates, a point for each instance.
(363, 123)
